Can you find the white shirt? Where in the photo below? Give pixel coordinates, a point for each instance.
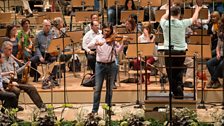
(88, 37)
(107, 52)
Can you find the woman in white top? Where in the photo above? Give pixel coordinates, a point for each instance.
(146, 37)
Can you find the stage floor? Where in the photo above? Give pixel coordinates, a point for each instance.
(125, 92)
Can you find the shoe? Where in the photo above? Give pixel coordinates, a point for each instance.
(114, 87)
(92, 114)
(188, 84)
(216, 85)
(179, 93)
(210, 84)
(20, 108)
(36, 77)
(110, 111)
(43, 109)
(29, 15)
(46, 86)
(54, 82)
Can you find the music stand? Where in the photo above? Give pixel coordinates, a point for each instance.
(112, 3)
(83, 16)
(58, 45)
(159, 14)
(196, 39)
(197, 50)
(182, 1)
(5, 18)
(75, 38)
(153, 3)
(2, 32)
(201, 32)
(149, 4)
(82, 3)
(126, 14)
(50, 15)
(203, 14)
(204, 52)
(144, 49)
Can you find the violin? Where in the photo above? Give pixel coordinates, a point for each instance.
(118, 38)
(11, 85)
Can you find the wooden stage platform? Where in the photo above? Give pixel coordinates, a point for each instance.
(125, 93)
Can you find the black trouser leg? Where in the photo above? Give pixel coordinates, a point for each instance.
(33, 94)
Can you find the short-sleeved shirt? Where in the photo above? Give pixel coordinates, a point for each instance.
(178, 28)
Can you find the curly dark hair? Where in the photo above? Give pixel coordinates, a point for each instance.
(9, 29)
(24, 20)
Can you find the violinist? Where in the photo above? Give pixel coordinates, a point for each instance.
(105, 64)
(10, 64)
(25, 43)
(9, 99)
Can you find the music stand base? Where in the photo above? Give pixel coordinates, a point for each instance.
(201, 106)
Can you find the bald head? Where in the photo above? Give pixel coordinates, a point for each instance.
(46, 25)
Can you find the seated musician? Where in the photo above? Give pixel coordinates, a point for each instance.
(58, 31)
(215, 65)
(213, 26)
(9, 65)
(93, 17)
(25, 43)
(8, 98)
(11, 35)
(43, 39)
(146, 37)
(88, 37)
(129, 5)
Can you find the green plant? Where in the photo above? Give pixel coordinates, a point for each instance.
(49, 119)
(9, 117)
(185, 117)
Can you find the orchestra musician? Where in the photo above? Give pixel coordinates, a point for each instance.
(9, 65)
(11, 35)
(93, 17)
(106, 51)
(8, 98)
(178, 46)
(213, 27)
(90, 53)
(43, 39)
(25, 44)
(215, 65)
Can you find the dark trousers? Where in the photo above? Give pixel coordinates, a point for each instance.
(9, 99)
(35, 60)
(175, 73)
(30, 90)
(91, 58)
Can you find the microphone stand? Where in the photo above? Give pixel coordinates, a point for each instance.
(170, 70)
(116, 2)
(63, 35)
(138, 102)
